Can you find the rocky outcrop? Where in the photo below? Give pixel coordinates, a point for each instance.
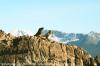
(39, 51)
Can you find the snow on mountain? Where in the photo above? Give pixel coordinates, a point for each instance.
(54, 38)
(63, 37)
(90, 41)
(90, 38)
(21, 32)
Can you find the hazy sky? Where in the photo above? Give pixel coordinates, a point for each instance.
(79, 16)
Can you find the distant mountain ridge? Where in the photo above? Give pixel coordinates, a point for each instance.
(90, 41)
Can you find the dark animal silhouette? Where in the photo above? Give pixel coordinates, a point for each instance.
(39, 31)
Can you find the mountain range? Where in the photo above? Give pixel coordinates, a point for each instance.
(90, 41)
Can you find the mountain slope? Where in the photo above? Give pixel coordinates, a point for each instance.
(90, 41)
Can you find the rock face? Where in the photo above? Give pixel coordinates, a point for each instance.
(39, 51)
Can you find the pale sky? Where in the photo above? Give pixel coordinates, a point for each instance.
(79, 16)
